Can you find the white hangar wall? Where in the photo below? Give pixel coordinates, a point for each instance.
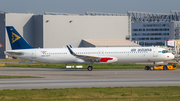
(23, 23)
(62, 30)
(57, 31)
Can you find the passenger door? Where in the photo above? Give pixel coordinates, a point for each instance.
(155, 52)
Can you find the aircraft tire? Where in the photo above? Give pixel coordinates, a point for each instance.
(152, 68)
(90, 68)
(165, 67)
(146, 68)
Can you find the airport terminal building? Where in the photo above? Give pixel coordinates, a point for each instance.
(56, 30)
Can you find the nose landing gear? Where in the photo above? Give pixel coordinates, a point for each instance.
(150, 67)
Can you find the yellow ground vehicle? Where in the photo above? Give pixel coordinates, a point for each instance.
(162, 67)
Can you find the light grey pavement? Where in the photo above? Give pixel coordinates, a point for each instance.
(71, 78)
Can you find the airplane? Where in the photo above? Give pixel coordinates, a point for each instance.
(21, 49)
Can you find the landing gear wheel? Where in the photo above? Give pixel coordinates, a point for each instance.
(89, 68)
(152, 68)
(146, 68)
(165, 68)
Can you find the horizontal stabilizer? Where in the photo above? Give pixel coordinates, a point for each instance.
(13, 53)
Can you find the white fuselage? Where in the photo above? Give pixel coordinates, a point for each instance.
(119, 54)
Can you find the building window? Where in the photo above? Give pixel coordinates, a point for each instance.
(155, 25)
(135, 29)
(166, 33)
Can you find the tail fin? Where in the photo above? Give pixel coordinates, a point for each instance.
(16, 40)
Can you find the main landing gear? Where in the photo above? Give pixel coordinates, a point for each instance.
(90, 68)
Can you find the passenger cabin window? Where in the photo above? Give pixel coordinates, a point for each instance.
(165, 51)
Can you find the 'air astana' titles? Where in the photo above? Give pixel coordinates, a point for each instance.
(140, 50)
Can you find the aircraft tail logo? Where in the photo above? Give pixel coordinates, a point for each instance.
(15, 37)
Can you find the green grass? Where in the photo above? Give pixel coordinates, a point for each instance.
(94, 94)
(95, 66)
(12, 60)
(10, 76)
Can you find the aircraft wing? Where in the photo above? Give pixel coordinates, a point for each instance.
(92, 58)
(13, 53)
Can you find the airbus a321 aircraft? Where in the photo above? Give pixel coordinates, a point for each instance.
(21, 49)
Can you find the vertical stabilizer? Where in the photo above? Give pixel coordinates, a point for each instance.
(16, 40)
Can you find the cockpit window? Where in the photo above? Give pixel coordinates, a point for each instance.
(165, 51)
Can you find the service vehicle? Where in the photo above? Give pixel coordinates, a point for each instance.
(169, 66)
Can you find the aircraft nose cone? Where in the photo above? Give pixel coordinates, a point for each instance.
(170, 56)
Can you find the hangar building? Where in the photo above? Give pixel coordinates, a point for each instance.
(56, 30)
(154, 28)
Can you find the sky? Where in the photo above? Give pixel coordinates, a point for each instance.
(81, 6)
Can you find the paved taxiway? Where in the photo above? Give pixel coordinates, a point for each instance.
(70, 78)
